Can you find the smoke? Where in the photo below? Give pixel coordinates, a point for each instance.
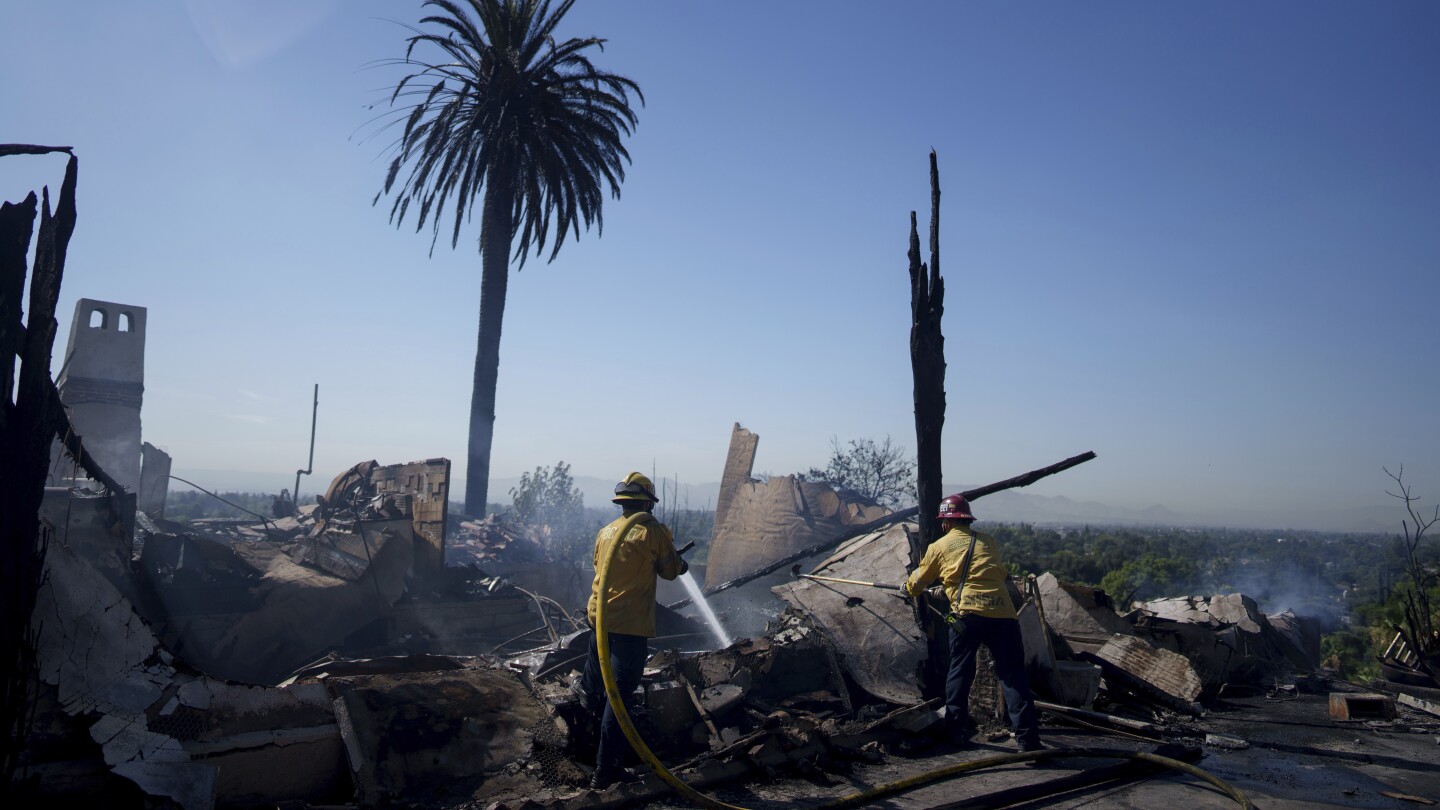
(748, 609)
(1277, 586)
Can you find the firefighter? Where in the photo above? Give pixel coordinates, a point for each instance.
(646, 551)
(969, 566)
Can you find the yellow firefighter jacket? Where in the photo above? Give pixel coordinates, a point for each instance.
(984, 592)
(647, 550)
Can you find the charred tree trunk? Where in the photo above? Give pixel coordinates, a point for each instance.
(497, 229)
(25, 437)
(927, 361)
(17, 223)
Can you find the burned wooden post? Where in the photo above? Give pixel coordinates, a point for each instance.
(25, 436)
(927, 361)
(17, 222)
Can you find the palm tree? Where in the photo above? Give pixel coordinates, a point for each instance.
(506, 112)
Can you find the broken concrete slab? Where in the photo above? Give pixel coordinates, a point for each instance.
(98, 528)
(1146, 670)
(1228, 639)
(721, 698)
(442, 734)
(250, 612)
(875, 634)
(93, 647)
(1226, 742)
(349, 555)
(1084, 616)
(1428, 706)
(795, 662)
(1215, 611)
(196, 740)
(672, 711)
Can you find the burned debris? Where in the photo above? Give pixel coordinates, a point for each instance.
(409, 705)
(758, 522)
(328, 654)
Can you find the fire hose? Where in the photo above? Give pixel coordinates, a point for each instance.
(627, 725)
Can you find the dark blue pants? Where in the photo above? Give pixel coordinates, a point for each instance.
(627, 658)
(1002, 637)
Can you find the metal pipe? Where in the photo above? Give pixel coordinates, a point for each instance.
(796, 572)
(309, 465)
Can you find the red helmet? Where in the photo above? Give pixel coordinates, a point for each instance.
(955, 507)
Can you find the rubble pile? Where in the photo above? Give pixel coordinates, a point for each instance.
(1228, 639)
(388, 692)
(329, 656)
(107, 679)
(776, 704)
(275, 530)
(495, 539)
(234, 604)
(850, 672)
(845, 674)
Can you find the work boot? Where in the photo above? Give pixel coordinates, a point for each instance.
(962, 735)
(602, 780)
(1028, 746)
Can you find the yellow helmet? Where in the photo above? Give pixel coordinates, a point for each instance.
(635, 487)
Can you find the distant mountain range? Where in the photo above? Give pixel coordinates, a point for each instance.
(1019, 506)
(1011, 506)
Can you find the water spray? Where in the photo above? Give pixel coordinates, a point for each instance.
(698, 598)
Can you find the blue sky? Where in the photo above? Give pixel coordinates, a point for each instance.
(1199, 239)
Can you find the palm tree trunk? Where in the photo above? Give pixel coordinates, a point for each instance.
(496, 232)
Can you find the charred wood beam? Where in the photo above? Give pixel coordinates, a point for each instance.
(1023, 480)
(927, 362)
(1028, 478)
(32, 149)
(699, 707)
(1099, 717)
